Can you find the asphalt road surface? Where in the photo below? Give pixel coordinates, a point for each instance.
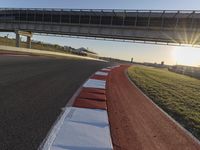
(32, 92)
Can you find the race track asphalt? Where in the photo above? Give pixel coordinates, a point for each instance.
(32, 92)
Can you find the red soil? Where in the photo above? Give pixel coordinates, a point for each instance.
(136, 123)
(15, 53)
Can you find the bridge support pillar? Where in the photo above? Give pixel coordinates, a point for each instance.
(17, 40)
(23, 33)
(28, 42)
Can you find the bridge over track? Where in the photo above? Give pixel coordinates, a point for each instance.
(157, 26)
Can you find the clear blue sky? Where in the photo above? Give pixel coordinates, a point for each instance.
(140, 52)
(119, 4)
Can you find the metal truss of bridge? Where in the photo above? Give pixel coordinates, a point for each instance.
(159, 26)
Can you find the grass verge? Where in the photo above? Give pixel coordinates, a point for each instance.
(34, 45)
(176, 94)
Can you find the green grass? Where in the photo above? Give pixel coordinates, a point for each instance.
(34, 45)
(176, 94)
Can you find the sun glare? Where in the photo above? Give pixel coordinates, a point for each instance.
(186, 56)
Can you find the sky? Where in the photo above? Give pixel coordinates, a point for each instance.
(122, 50)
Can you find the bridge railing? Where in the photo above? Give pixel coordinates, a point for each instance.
(155, 19)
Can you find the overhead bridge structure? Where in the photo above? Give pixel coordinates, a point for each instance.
(156, 26)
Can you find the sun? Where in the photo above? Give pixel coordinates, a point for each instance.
(186, 56)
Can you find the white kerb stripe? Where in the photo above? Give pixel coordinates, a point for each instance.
(101, 73)
(105, 69)
(93, 83)
(84, 129)
(54, 131)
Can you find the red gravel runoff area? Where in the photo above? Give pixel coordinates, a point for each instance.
(136, 123)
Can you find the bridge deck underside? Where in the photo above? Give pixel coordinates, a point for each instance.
(165, 26)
